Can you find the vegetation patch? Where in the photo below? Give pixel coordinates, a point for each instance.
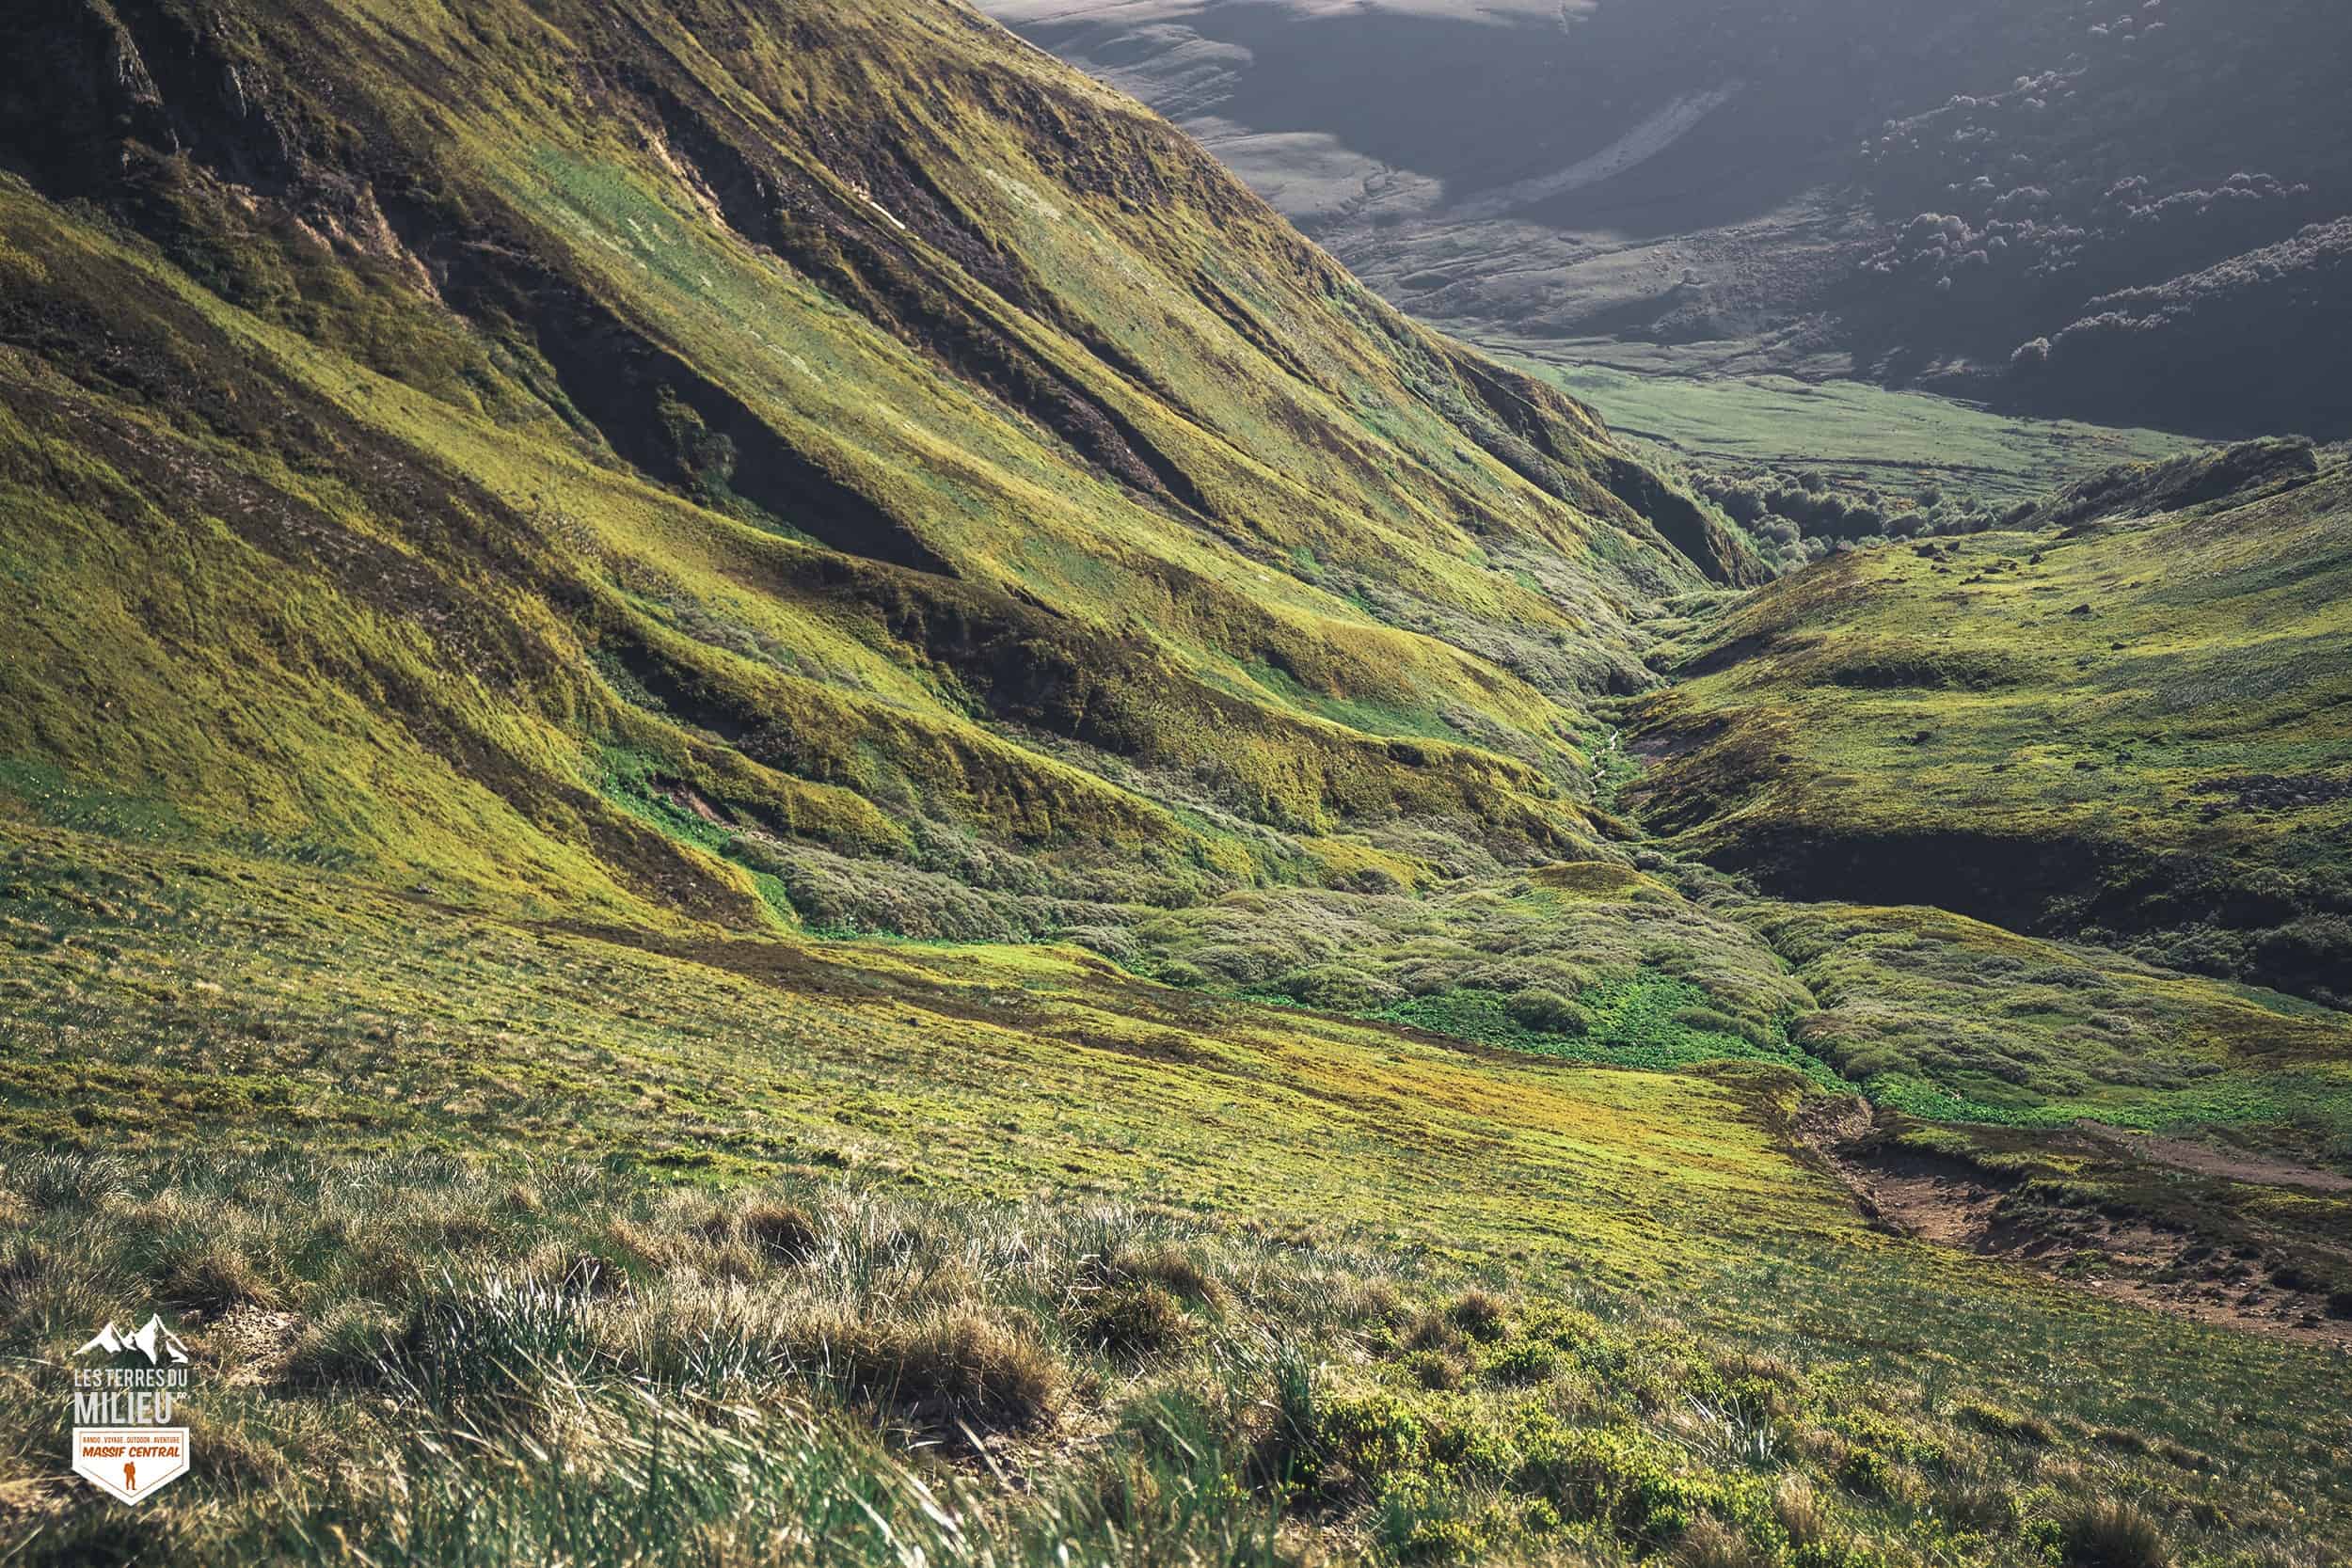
(1640, 1020)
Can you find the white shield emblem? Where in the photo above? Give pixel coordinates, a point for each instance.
(131, 1463)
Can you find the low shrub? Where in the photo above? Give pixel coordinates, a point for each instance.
(1708, 1021)
(1340, 988)
(1867, 1472)
(2005, 1424)
(1627, 1482)
(1375, 1434)
(1111, 941)
(1521, 1361)
(1548, 1012)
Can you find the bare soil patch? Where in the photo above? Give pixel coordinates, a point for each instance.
(1951, 1203)
(2235, 1165)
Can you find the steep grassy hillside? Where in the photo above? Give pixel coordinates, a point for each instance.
(2126, 719)
(553, 431)
(767, 794)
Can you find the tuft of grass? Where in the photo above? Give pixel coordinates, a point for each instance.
(783, 1230)
(1479, 1313)
(2004, 1424)
(1127, 1316)
(1798, 1511)
(2110, 1532)
(1711, 1544)
(347, 1345)
(209, 1274)
(956, 1368)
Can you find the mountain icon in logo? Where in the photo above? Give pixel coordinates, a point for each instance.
(152, 1340)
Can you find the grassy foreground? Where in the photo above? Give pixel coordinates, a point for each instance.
(894, 1253)
(424, 1360)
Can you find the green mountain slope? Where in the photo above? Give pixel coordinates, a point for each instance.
(563, 394)
(767, 794)
(692, 1247)
(2127, 719)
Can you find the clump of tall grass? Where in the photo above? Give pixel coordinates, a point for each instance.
(2110, 1532)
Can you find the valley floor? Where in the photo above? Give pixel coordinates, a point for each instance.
(1853, 429)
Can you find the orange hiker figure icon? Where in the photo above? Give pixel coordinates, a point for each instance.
(130, 1476)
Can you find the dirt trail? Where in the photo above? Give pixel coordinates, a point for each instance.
(2235, 1165)
(1948, 1203)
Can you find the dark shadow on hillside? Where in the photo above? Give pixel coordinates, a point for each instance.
(1481, 104)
